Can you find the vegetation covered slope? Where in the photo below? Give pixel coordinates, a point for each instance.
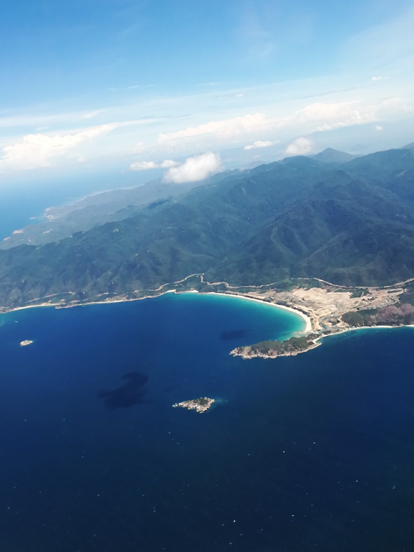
(350, 224)
(61, 222)
(344, 229)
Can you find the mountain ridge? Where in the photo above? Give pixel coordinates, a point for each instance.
(351, 224)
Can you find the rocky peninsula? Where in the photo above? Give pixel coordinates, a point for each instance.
(331, 309)
(273, 349)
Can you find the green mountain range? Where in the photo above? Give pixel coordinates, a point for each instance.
(351, 223)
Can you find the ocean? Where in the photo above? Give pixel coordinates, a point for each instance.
(313, 452)
(27, 206)
(24, 199)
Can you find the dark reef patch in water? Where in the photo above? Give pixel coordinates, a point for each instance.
(233, 334)
(127, 395)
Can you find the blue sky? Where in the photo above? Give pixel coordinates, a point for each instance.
(138, 87)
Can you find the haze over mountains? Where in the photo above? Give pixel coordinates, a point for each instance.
(347, 221)
(97, 209)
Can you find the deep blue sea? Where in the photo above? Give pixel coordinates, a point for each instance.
(314, 452)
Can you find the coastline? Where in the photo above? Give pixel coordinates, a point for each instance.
(320, 309)
(308, 321)
(356, 328)
(313, 341)
(305, 318)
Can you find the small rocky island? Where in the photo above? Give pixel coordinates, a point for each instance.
(273, 349)
(26, 342)
(199, 405)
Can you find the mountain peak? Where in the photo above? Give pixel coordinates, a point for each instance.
(330, 155)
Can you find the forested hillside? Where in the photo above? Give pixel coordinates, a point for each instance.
(349, 223)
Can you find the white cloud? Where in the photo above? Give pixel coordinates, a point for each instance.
(379, 78)
(92, 114)
(181, 135)
(143, 166)
(138, 148)
(300, 146)
(36, 150)
(318, 116)
(168, 163)
(407, 109)
(227, 128)
(320, 111)
(146, 165)
(194, 169)
(378, 128)
(260, 144)
(336, 115)
(41, 121)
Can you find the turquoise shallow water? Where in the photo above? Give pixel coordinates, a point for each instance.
(301, 453)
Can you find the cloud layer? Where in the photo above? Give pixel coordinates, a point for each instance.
(36, 150)
(136, 136)
(146, 165)
(194, 169)
(227, 127)
(260, 144)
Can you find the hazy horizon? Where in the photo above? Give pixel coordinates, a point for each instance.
(132, 90)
